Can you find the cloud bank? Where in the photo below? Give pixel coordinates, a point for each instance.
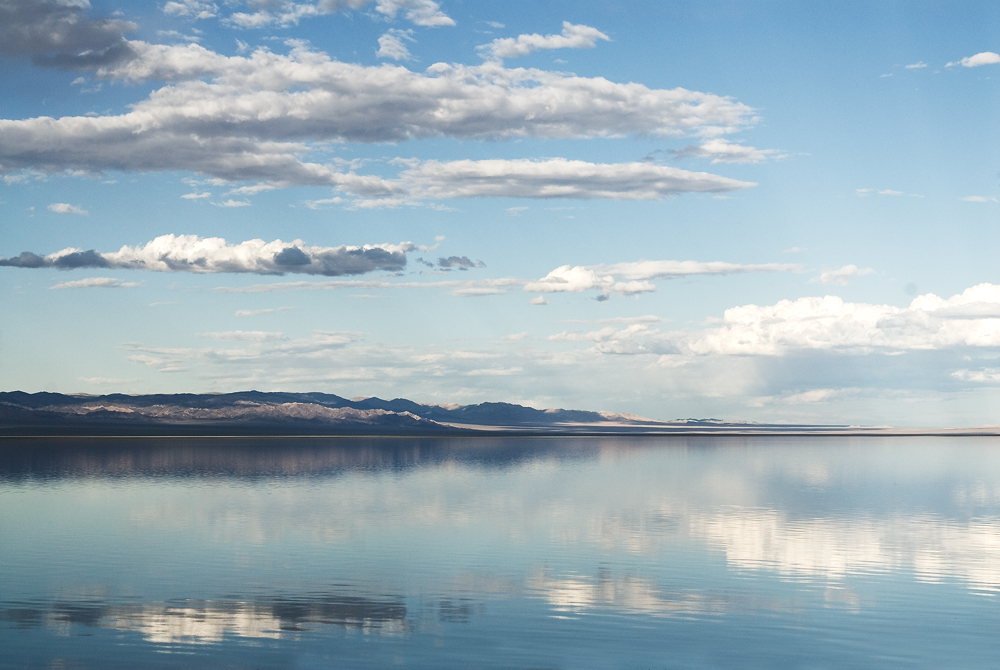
(969, 319)
(202, 255)
(255, 117)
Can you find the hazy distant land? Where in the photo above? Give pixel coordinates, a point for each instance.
(257, 413)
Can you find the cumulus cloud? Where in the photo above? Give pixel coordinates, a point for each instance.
(632, 278)
(59, 33)
(969, 319)
(719, 150)
(391, 45)
(66, 208)
(984, 58)
(842, 276)
(572, 37)
(978, 198)
(575, 279)
(459, 263)
(197, 9)
(96, 282)
(256, 115)
(916, 66)
(190, 253)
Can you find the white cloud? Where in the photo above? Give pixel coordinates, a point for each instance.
(970, 319)
(633, 339)
(984, 58)
(865, 192)
(284, 13)
(552, 178)
(244, 336)
(174, 34)
(916, 66)
(256, 115)
(197, 9)
(842, 276)
(632, 278)
(258, 312)
(96, 282)
(464, 288)
(978, 198)
(196, 196)
(66, 208)
(722, 151)
(390, 45)
(253, 189)
(572, 37)
(232, 203)
(540, 300)
(575, 279)
(190, 253)
(815, 395)
(985, 376)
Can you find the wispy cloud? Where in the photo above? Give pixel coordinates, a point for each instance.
(632, 278)
(572, 37)
(841, 276)
(97, 282)
(66, 208)
(392, 45)
(720, 150)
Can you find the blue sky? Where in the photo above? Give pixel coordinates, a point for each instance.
(774, 211)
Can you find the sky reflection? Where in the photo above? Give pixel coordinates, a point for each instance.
(279, 543)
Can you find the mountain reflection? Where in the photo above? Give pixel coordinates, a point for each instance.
(210, 621)
(56, 458)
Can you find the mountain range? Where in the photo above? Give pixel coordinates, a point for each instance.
(258, 413)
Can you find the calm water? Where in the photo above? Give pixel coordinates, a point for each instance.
(551, 553)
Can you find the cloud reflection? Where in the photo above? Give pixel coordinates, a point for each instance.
(212, 621)
(934, 549)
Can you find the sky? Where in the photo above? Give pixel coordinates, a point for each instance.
(763, 211)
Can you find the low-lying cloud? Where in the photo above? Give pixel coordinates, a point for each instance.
(201, 255)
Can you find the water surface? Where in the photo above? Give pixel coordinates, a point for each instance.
(708, 552)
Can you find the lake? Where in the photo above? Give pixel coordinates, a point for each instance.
(514, 553)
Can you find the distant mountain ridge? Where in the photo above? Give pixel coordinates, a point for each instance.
(256, 412)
